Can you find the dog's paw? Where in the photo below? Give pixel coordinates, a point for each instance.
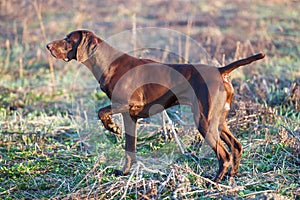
(110, 125)
(114, 128)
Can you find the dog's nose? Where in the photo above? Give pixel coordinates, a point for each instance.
(49, 45)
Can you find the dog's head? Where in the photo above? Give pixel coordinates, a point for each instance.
(78, 45)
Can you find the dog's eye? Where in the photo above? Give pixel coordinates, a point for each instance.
(66, 46)
(67, 40)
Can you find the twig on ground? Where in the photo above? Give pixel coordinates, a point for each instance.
(129, 180)
(174, 132)
(194, 192)
(234, 189)
(8, 191)
(144, 196)
(148, 169)
(290, 132)
(259, 192)
(162, 186)
(110, 189)
(91, 171)
(205, 179)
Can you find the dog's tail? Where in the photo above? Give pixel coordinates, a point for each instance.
(232, 66)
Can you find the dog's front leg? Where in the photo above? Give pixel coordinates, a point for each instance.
(104, 115)
(130, 144)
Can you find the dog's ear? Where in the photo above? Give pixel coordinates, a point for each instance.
(87, 46)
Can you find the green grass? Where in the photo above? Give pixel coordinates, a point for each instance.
(42, 170)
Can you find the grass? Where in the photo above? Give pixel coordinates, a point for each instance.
(53, 146)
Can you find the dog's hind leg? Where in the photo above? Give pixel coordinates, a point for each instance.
(235, 148)
(210, 132)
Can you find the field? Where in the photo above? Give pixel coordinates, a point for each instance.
(52, 144)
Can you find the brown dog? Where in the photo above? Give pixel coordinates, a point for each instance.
(139, 88)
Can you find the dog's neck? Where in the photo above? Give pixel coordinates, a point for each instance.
(101, 61)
